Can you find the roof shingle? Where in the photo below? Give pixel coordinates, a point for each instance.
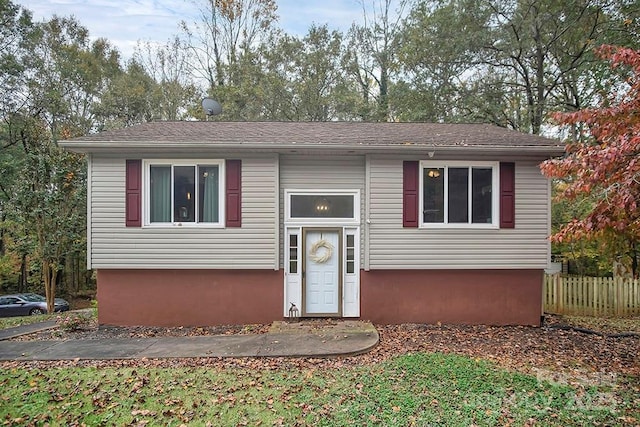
(314, 134)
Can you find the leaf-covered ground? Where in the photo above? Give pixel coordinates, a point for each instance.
(415, 389)
(522, 348)
(609, 325)
(417, 375)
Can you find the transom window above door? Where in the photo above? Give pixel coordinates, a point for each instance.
(184, 193)
(322, 207)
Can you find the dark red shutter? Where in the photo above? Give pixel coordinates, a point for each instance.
(133, 202)
(507, 195)
(410, 184)
(234, 193)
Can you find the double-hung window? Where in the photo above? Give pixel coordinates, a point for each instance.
(184, 193)
(457, 194)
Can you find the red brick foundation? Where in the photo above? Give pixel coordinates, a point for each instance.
(217, 297)
(189, 297)
(491, 297)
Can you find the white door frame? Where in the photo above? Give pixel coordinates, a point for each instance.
(350, 267)
(338, 253)
(349, 229)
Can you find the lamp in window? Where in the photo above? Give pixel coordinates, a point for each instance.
(433, 173)
(322, 205)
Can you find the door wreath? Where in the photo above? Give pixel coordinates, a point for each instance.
(323, 256)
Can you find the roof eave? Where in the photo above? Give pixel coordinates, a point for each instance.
(137, 146)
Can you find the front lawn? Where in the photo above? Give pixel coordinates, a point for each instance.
(413, 389)
(83, 318)
(10, 322)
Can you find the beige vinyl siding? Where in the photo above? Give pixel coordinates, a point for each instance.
(395, 247)
(321, 173)
(250, 247)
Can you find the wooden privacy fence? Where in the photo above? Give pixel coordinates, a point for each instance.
(592, 296)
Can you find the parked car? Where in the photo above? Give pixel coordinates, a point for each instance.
(28, 305)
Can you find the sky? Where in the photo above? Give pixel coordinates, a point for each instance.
(125, 22)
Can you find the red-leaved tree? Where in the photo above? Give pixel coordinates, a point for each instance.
(603, 162)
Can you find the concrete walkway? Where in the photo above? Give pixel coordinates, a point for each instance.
(339, 338)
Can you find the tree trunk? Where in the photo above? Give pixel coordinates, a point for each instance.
(536, 119)
(2, 236)
(76, 272)
(50, 278)
(383, 105)
(24, 274)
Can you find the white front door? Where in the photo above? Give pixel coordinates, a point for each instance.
(322, 275)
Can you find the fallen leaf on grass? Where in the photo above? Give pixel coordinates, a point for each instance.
(143, 412)
(514, 347)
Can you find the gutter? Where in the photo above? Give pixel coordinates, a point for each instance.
(179, 147)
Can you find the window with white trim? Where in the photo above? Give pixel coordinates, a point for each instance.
(293, 252)
(351, 252)
(318, 206)
(459, 194)
(184, 193)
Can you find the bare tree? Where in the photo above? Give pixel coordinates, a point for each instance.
(168, 65)
(371, 58)
(226, 29)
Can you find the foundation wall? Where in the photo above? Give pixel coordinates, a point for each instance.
(189, 297)
(489, 297)
(217, 297)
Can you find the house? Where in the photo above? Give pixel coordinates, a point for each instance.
(201, 223)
